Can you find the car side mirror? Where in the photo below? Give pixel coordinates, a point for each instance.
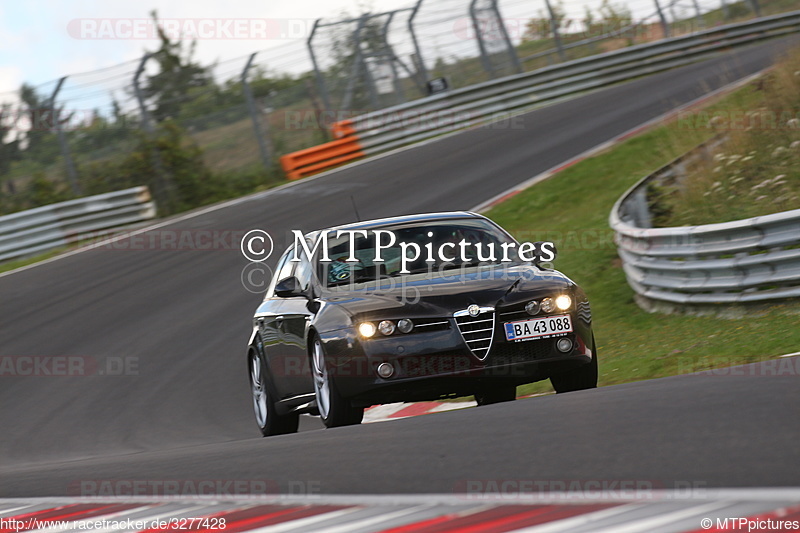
(288, 288)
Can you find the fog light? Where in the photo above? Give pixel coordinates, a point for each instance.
(405, 325)
(532, 307)
(386, 327)
(564, 345)
(563, 302)
(548, 305)
(385, 370)
(367, 329)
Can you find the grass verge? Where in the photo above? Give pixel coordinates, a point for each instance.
(572, 210)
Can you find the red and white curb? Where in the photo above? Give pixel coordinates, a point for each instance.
(396, 411)
(728, 510)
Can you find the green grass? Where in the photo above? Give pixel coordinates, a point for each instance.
(19, 263)
(756, 171)
(572, 209)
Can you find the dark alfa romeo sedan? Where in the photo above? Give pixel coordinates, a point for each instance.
(408, 309)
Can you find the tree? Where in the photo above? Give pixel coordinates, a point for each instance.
(178, 75)
(9, 151)
(40, 139)
(542, 27)
(615, 16)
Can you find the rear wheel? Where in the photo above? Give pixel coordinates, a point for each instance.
(581, 378)
(496, 394)
(334, 410)
(268, 420)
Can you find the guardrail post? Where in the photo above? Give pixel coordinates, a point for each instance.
(323, 90)
(251, 107)
(663, 19)
(163, 194)
(487, 64)
(419, 62)
(72, 173)
(512, 52)
(556, 34)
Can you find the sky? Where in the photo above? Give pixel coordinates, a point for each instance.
(43, 40)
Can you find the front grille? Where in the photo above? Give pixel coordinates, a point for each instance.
(477, 331)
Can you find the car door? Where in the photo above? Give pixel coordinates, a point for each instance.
(269, 321)
(293, 323)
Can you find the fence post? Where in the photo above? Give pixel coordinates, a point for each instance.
(664, 23)
(162, 191)
(360, 57)
(323, 90)
(251, 108)
(756, 7)
(422, 72)
(512, 52)
(698, 15)
(556, 34)
(389, 53)
(487, 64)
(72, 173)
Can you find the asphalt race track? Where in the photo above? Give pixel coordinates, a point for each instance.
(180, 319)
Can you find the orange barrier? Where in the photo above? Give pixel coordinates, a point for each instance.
(343, 128)
(311, 160)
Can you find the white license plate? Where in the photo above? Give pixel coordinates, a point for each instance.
(538, 328)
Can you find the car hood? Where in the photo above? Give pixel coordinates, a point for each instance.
(440, 295)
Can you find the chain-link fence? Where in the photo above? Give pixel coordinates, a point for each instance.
(94, 132)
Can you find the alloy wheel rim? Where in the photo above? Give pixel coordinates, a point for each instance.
(321, 383)
(259, 391)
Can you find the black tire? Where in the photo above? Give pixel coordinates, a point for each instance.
(581, 378)
(334, 410)
(267, 418)
(496, 394)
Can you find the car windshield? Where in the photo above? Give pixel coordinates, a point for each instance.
(441, 245)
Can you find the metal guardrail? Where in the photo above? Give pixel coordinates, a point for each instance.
(52, 226)
(428, 117)
(745, 261)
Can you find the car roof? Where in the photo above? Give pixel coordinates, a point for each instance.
(404, 219)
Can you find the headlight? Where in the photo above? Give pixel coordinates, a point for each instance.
(563, 302)
(548, 305)
(532, 307)
(367, 329)
(405, 325)
(386, 327)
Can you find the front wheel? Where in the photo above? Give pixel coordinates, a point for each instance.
(334, 410)
(268, 420)
(581, 378)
